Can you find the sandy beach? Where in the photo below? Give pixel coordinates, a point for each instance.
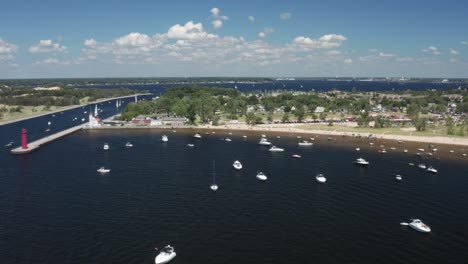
(290, 128)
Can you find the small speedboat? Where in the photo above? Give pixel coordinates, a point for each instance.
(320, 178)
(418, 225)
(166, 255)
(261, 176)
(296, 156)
(10, 144)
(197, 136)
(371, 143)
(49, 123)
(411, 164)
(298, 137)
(190, 145)
(103, 170)
(264, 142)
(164, 138)
(128, 145)
(398, 177)
(358, 149)
(230, 133)
(244, 136)
(405, 151)
(106, 146)
(214, 187)
(392, 148)
(276, 149)
(431, 169)
(237, 165)
(422, 166)
(420, 149)
(451, 151)
(305, 143)
(361, 161)
(227, 139)
(434, 149)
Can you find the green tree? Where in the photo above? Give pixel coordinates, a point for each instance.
(420, 123)
(450, 126)
(363, 119)
(299, 113)
(461, 131)
(270, 117)
(285, 117)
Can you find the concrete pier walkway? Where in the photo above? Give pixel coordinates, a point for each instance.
(36, 144)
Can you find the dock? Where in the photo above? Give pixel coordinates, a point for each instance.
(38, 143)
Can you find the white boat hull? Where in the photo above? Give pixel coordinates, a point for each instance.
(164, 257)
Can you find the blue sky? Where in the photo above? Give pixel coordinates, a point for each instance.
(59, 39)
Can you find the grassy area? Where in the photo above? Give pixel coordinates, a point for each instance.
(28, 111)
(431, 130)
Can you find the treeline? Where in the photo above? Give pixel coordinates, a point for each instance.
(62, 97)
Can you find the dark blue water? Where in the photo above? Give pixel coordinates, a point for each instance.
(303, 85)
(55, 207)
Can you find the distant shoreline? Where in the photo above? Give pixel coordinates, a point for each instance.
(65, 109)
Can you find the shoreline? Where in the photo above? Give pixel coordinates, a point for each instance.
(291, 129)
(66, 108)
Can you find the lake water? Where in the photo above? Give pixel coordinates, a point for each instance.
(55, 207)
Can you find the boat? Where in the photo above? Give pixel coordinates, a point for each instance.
(420, 149)
(190, 145)
(227, 139)
(371, 143)
(464, 155)
(398, 177)
(405, 151)
(128, 145)
(296, 156)
(106, 146)
(361, 161)
(358, 149)
(329, 138)
(451, 151)
(263, 136)
(214, 186)
(431, 169)
(429, 154)
(237, 165)
(434, 149)
(264, 142)
(298, 137)
(244, 136)
(320, 178)
(312, 138)
(418, 225)
(276, 149)
(392, 148)
(399, 141)
(305, 143)
(197, 136)
(103, 170)
(422, 166)
(166, 255)
(49, 123)
(261, 176)
(411, 164)
(10, 144)
(164, 138)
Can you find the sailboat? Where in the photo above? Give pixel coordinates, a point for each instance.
(214, 186)
(95, 110)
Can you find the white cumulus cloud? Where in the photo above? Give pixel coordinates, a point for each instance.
(261, 35)
(217, 23)
(188, 31)
(47, 45)
(324, 42)
(215, 12)
(133, 39)
(285, 16)
(7, 48)
(386, 55)
(251, 19)
(454, 52)
(432, 50)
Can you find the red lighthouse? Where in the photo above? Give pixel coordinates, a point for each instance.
(24, 139)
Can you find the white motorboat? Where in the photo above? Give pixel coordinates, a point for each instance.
(411, 164)
(103, 170)
(214, 186)
(431, 169)
(166, 255)
(429, 154)
(227, 139)
(420, 149)
(296, 156)
(261, 176)
(358, 149)
(128, 145)
(106, 146)
(398, 177)
(392, 148)
(451, 151)
(49, 123)
(298, 137)
(361, 161)
(422, 166)
(278, 137)
(434, 149)
(244, 136)
(164, 138)
(371, 143)
(230, 133)
(320, 178)
(190, 145)
(10, 144)
(264, 142)
(197, 136)
(237, 165)
(263, 136)
(464, 155)
(276, 149)
(418, 225)
(305, 143)
(405, 151)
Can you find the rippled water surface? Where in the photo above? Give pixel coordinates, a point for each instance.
(55, 207)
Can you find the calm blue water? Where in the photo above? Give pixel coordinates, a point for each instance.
(55, 207)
